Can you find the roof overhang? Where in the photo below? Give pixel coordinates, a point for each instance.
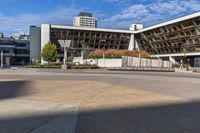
(194, 15)
(177, 55)
(90, 29)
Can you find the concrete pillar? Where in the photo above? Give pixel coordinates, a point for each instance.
(45, 37)
(1, 58)
(8, 61)
(133, 43)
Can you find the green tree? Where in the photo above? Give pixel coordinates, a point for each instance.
(84, 48)
(49, 52)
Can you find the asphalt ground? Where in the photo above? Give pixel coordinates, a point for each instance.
(112, 102)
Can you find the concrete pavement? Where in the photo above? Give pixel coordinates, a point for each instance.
(25, 116)
(113, 102)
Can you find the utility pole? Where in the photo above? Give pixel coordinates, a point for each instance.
(1, 58)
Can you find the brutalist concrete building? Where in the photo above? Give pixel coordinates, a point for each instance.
(172, 40)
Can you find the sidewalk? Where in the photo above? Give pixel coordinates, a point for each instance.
(25, 116)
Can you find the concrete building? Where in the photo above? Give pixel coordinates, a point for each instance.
(176, 40)
(136, 27)
(85, 20)
(94, 38)
(35, 43)
(15, 51)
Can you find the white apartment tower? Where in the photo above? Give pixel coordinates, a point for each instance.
(85, 19)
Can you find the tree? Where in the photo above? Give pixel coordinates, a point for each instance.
(84, 48)
(49, 52)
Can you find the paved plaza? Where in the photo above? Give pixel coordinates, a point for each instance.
(98, 101)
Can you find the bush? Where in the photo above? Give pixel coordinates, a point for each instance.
(44, 66)
(175, 66)
(83, 66)
(96, 54)
(37, 62)
(118, 53)
(70, 66)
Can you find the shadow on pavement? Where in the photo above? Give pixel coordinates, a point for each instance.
(45, 123)
(21, 124)
(176, 118)
(12, 89)
(21, 116)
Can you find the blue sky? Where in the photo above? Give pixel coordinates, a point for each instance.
(17, 15)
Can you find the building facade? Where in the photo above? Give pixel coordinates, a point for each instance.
(93, 38)
(176, 40)
(35, 44)
(85, 20)
(15, 52)
(1, 35)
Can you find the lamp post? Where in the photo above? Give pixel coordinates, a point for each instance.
(65, 44)
(103, 58)
(1, 58)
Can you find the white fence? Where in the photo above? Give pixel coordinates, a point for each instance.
(99, 62)
(109, 63)
(126, 62)
(146, 63)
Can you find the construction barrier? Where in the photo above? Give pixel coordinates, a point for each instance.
(144, 63)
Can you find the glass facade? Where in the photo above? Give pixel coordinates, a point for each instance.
(18, 51)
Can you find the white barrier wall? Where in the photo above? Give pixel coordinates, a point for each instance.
(109, 62)
(142, 62)
(126, 61)
(99, 62)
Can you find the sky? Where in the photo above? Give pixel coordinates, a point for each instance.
(17, 15)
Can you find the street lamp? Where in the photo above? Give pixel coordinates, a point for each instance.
(65, 44)
(1, 58)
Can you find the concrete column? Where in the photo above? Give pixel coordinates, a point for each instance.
(8, 61)
(45, 37)
(133, 43)
(1, 58)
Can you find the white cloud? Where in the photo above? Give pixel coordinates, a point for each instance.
(148, 14)
(21, 22)
(134, 11)
(118, 1)
(152, 13)
(110, 1)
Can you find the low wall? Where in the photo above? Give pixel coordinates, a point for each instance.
(100, 62)
(146, 63)
(127, 61)
(109, 63)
